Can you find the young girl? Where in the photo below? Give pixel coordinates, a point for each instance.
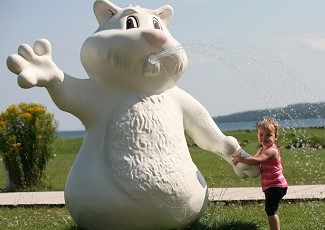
(273, 182)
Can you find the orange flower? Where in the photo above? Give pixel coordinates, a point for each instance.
(16, 145)
(26, 115)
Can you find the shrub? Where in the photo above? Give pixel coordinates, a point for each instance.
(27, 132)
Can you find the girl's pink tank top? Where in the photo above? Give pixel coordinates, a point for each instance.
(272, 172)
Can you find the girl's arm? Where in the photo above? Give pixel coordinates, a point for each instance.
(257, 159)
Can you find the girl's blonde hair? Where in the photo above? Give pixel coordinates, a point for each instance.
(269, 122)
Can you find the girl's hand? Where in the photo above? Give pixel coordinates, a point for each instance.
(236, 159)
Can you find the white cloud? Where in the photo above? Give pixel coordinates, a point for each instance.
(315, 44)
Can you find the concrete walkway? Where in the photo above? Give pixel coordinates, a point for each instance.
(295, 192)
(215, 194)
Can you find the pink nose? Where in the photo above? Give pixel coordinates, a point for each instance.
(155, 37)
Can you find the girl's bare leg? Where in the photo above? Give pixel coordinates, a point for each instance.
(274, 222)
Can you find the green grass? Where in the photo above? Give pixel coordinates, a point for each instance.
(65, 151)
(219, 216)
(38, 217)
(301, 165)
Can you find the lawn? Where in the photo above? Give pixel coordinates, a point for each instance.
(301, 166)
(219, 216)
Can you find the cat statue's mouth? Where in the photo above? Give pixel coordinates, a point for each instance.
(152, 66)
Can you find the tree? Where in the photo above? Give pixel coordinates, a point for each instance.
(27, 132)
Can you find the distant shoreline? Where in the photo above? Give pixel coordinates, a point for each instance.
(230, 126)
(71, 134)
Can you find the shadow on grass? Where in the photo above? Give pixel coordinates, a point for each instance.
(226, 225)
(231, 225)
(73, 228)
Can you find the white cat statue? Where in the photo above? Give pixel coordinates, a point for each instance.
(133, 170)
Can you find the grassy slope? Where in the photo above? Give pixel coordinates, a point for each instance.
(301, 166)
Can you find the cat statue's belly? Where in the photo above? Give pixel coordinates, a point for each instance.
(143, 169)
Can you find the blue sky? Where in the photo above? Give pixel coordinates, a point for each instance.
(243, 54)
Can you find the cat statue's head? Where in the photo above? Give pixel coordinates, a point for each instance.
(132, 49)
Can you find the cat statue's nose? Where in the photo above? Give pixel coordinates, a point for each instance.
(155, 38)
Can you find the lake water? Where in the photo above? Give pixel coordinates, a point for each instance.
(301, 123)
(232, 126)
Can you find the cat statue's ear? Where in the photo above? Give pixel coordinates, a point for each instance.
(104, 11)
(165, 13)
